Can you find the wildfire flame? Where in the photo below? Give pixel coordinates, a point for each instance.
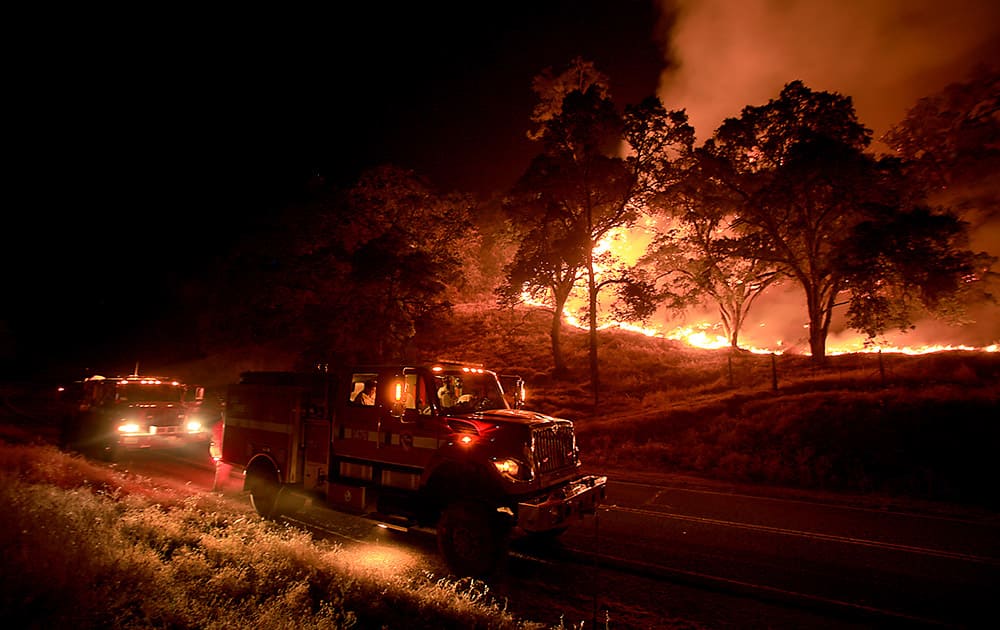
(627, 246)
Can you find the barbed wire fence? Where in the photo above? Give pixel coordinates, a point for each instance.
(751, 369)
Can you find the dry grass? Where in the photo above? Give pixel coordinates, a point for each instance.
(911, 426)
(85, 546)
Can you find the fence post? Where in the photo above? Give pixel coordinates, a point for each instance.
(881, 367)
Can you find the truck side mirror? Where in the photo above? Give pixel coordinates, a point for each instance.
(513, 387)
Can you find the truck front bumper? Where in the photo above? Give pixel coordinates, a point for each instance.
(161, 441)
(557, 508)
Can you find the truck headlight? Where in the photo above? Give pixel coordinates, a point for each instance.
(513, 469)
(193, 426)
(128, 427)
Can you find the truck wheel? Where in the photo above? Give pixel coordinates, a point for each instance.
(109, 452)
(472, 538)
(264, 490)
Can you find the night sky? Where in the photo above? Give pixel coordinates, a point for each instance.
(144, 139)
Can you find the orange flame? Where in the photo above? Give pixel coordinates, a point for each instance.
(627, 245)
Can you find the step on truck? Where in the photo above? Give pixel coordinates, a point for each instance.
(439, 446)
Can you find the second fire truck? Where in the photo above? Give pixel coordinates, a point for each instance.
(109, 416)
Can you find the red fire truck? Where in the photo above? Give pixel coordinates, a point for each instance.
(107, 416)
(434, 445)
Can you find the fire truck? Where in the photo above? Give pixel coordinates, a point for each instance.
(109, 416)
(436, 446)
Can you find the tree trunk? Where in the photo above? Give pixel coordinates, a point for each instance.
(555, 334)
(818, 325)
(732, 326)
(592, 290)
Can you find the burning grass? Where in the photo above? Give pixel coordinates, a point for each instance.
(86, 546)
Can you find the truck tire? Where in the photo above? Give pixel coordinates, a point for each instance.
(472, 538)
(264, 490)
(110, 452)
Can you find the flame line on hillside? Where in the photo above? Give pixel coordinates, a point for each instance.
(696, 335)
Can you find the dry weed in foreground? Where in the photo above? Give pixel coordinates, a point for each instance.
(87, 547)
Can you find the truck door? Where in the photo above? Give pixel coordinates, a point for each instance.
(390, 442)
(408, 436)
(316, 436)
(356, 429)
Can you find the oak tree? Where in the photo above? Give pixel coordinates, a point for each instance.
(595, 173)
(814, 202)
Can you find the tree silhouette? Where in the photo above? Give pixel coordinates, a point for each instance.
(813, 202)
(581, 188)
(548, 264)
(696, 259)
(350, 275)
(950, 141)
(410, 251)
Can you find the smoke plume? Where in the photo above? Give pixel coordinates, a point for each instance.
(722, 55)
(885, 54)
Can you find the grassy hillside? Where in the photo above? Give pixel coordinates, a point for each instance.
(922, 426)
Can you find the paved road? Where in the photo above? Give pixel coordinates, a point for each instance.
(838, 559)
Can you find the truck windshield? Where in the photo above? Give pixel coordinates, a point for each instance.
(150, 393)
(463, 392)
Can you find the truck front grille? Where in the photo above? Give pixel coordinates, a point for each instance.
(554, 448)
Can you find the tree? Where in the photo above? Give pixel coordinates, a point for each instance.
(696, 259)
(949, 143)
(886, 269)
(350, 275)
(694, 254)
(409, 252)
(580, 189)
(951, 140)
(548, 264)
(551, 89)
(809, 194)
